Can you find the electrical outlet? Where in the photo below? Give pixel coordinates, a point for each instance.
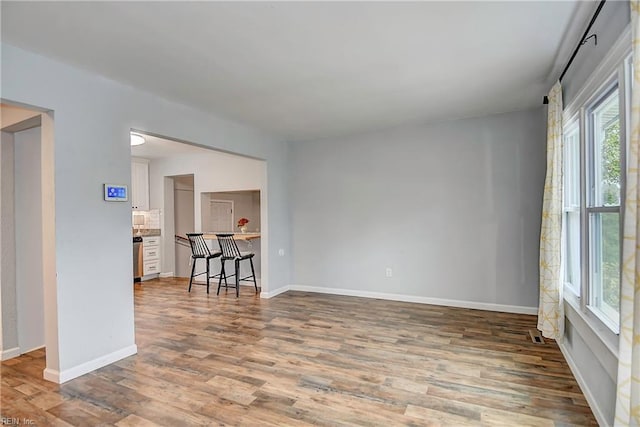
(281, 252)
(389, 272)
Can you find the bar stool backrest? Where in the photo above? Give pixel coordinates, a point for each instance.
(228, 246)
(199, 247)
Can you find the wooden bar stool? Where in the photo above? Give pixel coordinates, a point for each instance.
(230, 252)
(200, 250)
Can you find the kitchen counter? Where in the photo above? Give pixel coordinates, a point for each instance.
(147, 232)
(210, 235)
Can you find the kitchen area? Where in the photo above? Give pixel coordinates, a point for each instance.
(146, 224)
(146, 245)
(178, 188)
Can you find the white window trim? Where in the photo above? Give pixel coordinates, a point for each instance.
(573, 124)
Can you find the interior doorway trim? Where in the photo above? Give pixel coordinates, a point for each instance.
(47, 220)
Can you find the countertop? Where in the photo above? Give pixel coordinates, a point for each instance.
(147, 232)
(210, 235)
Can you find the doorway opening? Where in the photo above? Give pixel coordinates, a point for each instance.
(200, 189)
(183, 220)
(28, 305)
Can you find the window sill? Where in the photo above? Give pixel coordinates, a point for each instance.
(604, 319)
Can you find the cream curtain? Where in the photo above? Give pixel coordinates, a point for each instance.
(628, 395)
(551, 308)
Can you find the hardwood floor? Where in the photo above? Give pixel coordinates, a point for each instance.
(307, 359)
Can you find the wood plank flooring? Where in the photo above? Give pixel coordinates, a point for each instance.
(307, 359)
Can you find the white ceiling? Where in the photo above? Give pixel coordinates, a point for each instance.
(306, 70)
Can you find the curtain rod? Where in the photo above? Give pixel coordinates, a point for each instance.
(583, 40)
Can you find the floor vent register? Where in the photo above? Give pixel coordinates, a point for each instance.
(536, 336)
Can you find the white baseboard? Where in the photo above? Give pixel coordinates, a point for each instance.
(60, 377)
(267, 295)
(31, 349)
(165, 275)
(591, 400)
(51, 375)
(10, 353)
(422, 300)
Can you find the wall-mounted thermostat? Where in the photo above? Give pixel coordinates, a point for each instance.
(116, 193)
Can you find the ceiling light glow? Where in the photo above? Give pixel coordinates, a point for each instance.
(137, 139)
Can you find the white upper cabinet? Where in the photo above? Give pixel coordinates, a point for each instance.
(139, 184)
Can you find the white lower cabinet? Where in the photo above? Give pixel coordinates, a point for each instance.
(150, 257)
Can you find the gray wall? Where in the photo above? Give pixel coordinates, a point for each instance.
(613, 18)
(8, 245)
(28, 228)
(453, 208)
(93, 117)
(593, 362)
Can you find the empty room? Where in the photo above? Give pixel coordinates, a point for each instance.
(320, 213)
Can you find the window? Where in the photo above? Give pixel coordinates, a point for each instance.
(593, 197)
(604, 187)
(571, 207)
(595, 134)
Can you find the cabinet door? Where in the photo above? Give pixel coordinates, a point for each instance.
(151, 253)
(152, 267)
(151, 256)
(139, 186)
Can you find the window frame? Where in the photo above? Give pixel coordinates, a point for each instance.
(573, 125)
(616, 82)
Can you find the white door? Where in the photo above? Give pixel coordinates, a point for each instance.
(221, 215)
